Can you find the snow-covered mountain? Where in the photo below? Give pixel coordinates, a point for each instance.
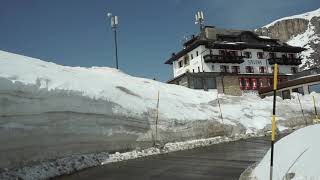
(299, 30)
(48, 111)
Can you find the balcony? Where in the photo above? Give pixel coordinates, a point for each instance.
(285, 61)
(210, 58)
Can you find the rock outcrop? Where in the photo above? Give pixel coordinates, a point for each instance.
(299, 30)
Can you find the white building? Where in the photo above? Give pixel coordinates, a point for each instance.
(234, 52)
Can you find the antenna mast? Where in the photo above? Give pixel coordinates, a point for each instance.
(200, 20)
(114, 25)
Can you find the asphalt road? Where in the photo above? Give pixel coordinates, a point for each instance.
(224, 161)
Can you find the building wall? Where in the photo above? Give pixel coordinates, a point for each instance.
(231, 85)
(197, 64)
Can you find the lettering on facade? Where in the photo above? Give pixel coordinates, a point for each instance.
(254, 62)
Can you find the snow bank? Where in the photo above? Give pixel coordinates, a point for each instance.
(49, 111)
(296, 155)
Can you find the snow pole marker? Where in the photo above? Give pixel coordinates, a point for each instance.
(157, 117)
(275, 83)
(302, 112)
(221, 117)
(315, 108)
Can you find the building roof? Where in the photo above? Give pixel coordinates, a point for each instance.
(218, 38)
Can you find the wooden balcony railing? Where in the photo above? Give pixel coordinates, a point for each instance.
(210, 58)
(285, 61)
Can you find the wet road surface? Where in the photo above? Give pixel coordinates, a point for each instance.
(224, 161)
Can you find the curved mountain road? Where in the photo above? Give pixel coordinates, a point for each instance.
(224, 161)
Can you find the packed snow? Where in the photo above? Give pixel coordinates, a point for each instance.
(296, 156)
(264, 37)
(76, 110)
(307, 16)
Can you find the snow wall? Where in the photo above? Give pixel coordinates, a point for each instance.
(48, 111)
(37, 125)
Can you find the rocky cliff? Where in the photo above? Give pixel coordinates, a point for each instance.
(299, 30)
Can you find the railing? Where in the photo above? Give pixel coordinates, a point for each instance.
(210, 58)
(285, 61)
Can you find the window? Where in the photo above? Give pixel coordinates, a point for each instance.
(272, 55)
(293, 70)
(247, 54)
(211, 83)
(235, 69)
(249, 69)
(286, 94)
(222, 52)
(298, 90)
(186, 60)
(224, 68)
(262, 69)
(198, 69)
(291, 56)
(314, 88)
(284, 56)
(198, 84)
(197, 53)
(193, 70)
(260, 55)
(180, 63)
(232, 53)
(212, 67)
(191, 56)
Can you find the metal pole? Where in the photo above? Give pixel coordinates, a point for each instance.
(275, 83)
(116, 45)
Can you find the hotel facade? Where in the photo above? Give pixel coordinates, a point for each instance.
(232, 61)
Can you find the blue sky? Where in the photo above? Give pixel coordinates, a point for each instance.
(77, 32)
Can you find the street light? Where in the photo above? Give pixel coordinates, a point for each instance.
(114, 24)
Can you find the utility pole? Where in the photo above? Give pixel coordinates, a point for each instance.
(200, 20)
(114, 24)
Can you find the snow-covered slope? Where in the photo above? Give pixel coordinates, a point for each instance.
(299, 30)
(49, 111)
(307, 16)
(296, 154)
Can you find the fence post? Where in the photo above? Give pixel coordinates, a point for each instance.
(157, 117)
